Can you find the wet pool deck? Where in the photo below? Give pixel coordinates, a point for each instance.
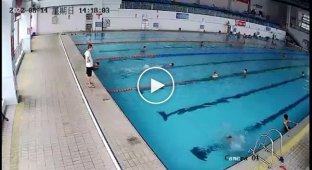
(51, 127)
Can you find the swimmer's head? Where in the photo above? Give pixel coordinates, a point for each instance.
(146, 66)
(144, 46)
(171, 64)
(286, 116)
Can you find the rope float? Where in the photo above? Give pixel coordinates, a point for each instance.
(179, 40)
(124, 57)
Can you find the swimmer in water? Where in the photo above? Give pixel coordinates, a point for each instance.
(144, 49)
(169, 65)
(146, 66)
(201, 44)
(302, 73)
(286, 122)
(96, 65)
(215, 75)
(245, 72)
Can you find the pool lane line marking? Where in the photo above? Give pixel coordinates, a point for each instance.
(109, 150)
(193, 47)
(275, 115)
(165, 115)
(227, 62)
(286, 147)
(236, 61)
(238, 74)
(138, 49)
(181, 40)
(151, 55)
(217, 146)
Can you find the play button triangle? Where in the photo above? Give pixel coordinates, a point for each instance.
(155, 85)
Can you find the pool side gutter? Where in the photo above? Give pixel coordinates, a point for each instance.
(128, 146)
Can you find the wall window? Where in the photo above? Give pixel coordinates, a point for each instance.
(305, 21)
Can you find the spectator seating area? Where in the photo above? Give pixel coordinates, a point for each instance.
(168, 5)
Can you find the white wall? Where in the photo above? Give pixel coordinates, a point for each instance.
(217, 3)
(124, 19)
(239, 6)
(113, 4)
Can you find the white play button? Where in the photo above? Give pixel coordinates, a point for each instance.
(155, 85)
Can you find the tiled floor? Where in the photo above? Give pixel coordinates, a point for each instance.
(51, 128)
(298, 156)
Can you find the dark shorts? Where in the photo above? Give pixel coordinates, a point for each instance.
(89, 71)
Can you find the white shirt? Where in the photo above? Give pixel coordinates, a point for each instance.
(89, 63)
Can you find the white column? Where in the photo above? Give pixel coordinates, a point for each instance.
(9, 85)
(24, 25)
(288, 15)
(229, 4)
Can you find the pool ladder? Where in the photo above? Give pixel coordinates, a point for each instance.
(263, 146)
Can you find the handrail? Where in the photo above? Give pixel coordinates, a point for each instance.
(266, 136)
(281, 136)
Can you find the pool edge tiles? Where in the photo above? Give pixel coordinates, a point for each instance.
(290, 139)
(129, 148)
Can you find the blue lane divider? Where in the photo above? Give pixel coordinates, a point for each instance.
(181, 111)
(136, 56)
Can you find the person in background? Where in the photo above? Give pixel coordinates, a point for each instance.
(286, 122)
(215, 75)
(245, 72)
(143, 49)
(89, 65)
(201, 43)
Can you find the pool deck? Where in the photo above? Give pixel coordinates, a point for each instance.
(295, 151)
(51, 127)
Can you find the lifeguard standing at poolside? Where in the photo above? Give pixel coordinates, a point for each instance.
(89, 65)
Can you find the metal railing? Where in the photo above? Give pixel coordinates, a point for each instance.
(195, 10)
(254, 150)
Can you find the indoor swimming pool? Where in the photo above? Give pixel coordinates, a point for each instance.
(191, 129)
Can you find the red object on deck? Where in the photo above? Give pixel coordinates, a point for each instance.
(240, 23)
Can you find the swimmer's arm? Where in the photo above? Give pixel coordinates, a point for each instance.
(292, 122)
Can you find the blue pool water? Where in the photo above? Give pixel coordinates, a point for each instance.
(189, 130)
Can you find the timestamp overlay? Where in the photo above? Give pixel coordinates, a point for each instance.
(29, 10)
(61, 10)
